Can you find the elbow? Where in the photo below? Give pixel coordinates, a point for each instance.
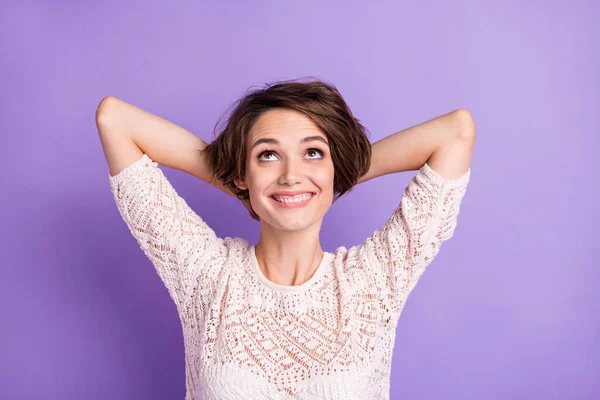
(104, 107)
(466, 124)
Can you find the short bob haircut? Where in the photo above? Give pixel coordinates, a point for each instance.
(348, 143)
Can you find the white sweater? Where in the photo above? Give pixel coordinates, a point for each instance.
(249, 338)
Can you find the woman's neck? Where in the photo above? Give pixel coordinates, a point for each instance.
(287, 262)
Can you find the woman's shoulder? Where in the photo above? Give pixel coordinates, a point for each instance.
(235, 249)
(350, 263)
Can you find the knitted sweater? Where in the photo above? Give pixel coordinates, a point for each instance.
(249, 338)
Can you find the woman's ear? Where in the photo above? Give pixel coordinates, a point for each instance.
(241, 184)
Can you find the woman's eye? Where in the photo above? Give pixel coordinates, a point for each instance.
(314, 151)
(267, 152)
(311, 153)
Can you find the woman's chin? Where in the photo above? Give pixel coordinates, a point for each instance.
(287, 223)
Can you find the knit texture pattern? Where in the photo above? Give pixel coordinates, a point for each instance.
(249, 338)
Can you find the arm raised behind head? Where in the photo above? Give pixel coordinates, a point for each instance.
(127, 131)
(445, 143)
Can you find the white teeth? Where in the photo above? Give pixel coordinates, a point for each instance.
(293, 199)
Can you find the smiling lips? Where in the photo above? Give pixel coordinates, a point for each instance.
(295, 201)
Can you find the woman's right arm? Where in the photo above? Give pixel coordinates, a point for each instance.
(126, 132)
(185, 251)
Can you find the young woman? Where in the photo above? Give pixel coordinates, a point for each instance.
(283, 318)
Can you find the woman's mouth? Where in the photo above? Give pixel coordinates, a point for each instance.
(297, 201)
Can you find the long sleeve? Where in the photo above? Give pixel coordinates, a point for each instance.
(400, 251)
(175, 239)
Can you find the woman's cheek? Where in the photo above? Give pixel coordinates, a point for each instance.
(325, 179)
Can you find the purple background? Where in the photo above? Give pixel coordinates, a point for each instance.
(510, 307)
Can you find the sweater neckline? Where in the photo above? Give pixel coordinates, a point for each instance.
(288, 288)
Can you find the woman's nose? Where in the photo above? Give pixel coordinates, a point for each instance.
(291, 173)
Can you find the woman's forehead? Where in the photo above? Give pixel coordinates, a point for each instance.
(284, 125)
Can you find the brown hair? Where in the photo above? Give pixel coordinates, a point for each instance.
(349, 146)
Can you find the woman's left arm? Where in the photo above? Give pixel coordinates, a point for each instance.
(445, 143)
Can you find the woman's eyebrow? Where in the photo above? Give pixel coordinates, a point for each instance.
(274, 141)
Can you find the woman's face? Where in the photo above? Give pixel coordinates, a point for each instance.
(288, 154)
